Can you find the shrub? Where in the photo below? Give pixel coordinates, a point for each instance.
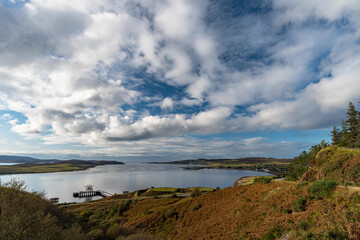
(274, 233)
(195, 206)
(299, 204)
(303, 225)
(95, 234)
(262, 180)
(195, 193)
(301, 163)
(310, 236)
(300, 185)
(123, 207)
(335, 234)
(167, 213)
(140, 236)
(322, 188)
(337, 163)
(286, 210)
(27, 215)
(118, 230)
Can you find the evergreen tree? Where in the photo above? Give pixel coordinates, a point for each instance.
(357, 142)
(344, 134)
(352, 124)
(335, 136)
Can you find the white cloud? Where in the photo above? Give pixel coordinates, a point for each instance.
(6, 116)
(176, 19)
(300, 11)
(79, 71)
(173, 125)
(167, 104)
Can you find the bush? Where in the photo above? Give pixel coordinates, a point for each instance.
(27, 215)
(262, 180)
(140, 236)
(336, 164)
(286, 210)
(300, 185)
(118, 230)
(195, 193)
(301, 163)
(95, 234)
(299, 204)
(274, 233)
(310, 236)
(303, 225)
(123, 207)
(322, 188)
(336, 233)
(167, 213)
(195, 206)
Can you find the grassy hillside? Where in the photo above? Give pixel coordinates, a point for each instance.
(274, 210)
(335, 163)
(257, 211)
(26, 215)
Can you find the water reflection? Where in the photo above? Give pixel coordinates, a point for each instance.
(129, 177)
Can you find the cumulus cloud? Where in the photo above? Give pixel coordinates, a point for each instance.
(97, 72)
(167, 104)
(155, 126)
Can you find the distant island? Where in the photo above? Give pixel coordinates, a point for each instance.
(34, 165)
(24, 159)
(272, 165)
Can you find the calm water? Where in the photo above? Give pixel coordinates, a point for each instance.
(134, 176)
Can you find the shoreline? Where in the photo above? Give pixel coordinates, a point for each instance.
(277, 171)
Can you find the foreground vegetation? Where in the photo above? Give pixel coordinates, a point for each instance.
(259, 208)
(59, 166)
(29, 216)
(258, 211)
(320, 207)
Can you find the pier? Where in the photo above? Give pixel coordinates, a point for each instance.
(89, 192)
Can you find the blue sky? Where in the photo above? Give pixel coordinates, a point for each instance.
(165, 80)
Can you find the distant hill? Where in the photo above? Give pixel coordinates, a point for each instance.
(30, 160)
(23, 159)
(271, 165)
(335, 163)
(248, 160)
(57, 166)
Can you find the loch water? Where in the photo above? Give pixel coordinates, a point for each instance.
(127, 177)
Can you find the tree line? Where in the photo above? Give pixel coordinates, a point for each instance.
(349, 135)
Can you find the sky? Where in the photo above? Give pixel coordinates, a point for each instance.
(142, 80)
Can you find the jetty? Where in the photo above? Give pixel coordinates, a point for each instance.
(90, 192)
